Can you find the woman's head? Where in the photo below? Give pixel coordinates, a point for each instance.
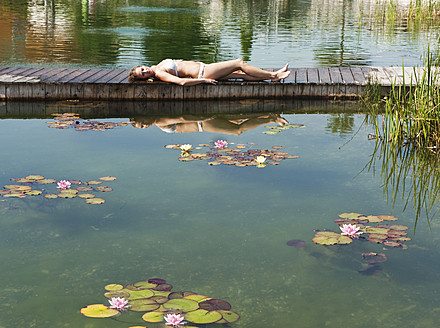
(140, 73)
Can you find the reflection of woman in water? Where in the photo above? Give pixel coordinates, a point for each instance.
(227, 124)
(185, 72)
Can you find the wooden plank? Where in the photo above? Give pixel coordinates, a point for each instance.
(84, 76)
(106, 78)
(347, 76)
(377, 75)
(47, 76)
(312, 75)
(394, 77)
(324, 75)
(122, 76)
(291, 77)
(358, 76)
(72, 75)
(30, 75)
(93, 78)
(301, 75)
(335, 75)
(57, 77)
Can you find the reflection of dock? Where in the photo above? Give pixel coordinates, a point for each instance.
(107, 84)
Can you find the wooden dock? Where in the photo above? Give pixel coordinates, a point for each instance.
(46, 84)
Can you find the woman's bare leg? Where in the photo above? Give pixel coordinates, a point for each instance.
(224, 69)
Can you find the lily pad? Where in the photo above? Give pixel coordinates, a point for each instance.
(197, 297)
(137, 294)
(374, 219)
(98, 311)
(181, 304)
(215, 304)
(330, 238)
(51, 196)
(203, 316)
(163, 287)
(352, 216)
(153, 316)
(143, 305)
(107, 178)
(157, 281)
(95, 201)
(228, 316)
(34, 177)
(145, 284)
(87, 196)
(33, 192)
(387, 217)
(117, 293)
(112, 287)
(398, 227)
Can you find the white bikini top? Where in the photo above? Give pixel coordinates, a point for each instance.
(170, 64)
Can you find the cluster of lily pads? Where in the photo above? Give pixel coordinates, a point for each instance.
(278, 129)
(392, 235)
(35, 185)
(241, 156)
(73, 120)
(156, 300)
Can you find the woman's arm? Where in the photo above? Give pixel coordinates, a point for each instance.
(167, 77)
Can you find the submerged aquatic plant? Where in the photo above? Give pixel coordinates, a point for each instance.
(63, 184)
(175, 320)
(118, 303)
(221, 144)
(350, 230)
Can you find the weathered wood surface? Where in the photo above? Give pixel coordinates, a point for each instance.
(23, 83)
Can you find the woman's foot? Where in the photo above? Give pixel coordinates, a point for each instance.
(281, 74)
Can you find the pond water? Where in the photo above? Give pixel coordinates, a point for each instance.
(217, 230)
(124, 33)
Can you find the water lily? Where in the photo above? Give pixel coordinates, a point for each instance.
(350, 230)
(260, 159)
(221, 144)
(119, 303)
(175, 320)
(63, 184)
(186, 147)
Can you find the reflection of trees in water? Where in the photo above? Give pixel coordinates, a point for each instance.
(409, 174)
(340, 123)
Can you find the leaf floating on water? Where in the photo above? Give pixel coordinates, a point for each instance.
(154, 316)
(330, 238)
(201, 316)
(182, 304)
(112, 287)
(51, 196)
(95, 201)
(228, 316)
(388, 218)
(107, 178)
(98, 311)
(34, 177)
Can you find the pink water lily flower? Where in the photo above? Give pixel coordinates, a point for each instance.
(63, 184)
(119, 303)
(221, 144)
(175, 320)
(350, 230)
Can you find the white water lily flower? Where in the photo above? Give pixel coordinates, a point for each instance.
(186, 147)
(260, 159)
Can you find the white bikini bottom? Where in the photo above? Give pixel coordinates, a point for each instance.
(202, 68)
